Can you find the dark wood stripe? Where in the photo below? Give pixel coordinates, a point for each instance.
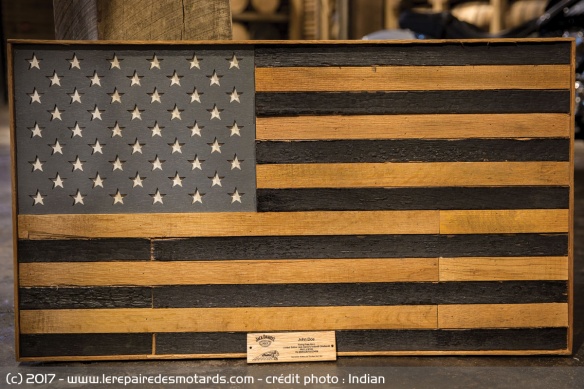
(413, 150)
(201, 343)
(454, 53)
(59, 345)
(78, 250)
(369, 199)
(396, 293)
(84, 297)
(412, 102)
(366, 246)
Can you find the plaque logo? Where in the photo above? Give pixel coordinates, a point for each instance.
(267, 356)
(265, 340)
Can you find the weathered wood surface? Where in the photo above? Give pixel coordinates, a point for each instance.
(503, 268)
(87, 297)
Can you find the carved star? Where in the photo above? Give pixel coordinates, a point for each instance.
(38, 198)
(233, 62)
(77, 164)
(155, 96)
(76, 131)
(116, 96)
(136, 113)
(175, 79)
(157, 197)
(137, 180)
(95, 79)
(137, 147)
(115, 63)
(35, 96)
(118, 197)
(116, 130)
(176, 146)
(74, 62)
(56, 114)
(57, 181)
(216, 179)
(78, 198)
(96, 147)
(36, 131)
(135, 78)
(235, 163)
(235, 129)
(37, 164)
(117, 164)
(156, 130)
(197, 196)
(156, 163)
(175, 113)
(154, 62)
(234, 96)
(75, 96)
(197, 164)
(55, 79)
(196, 130)
(215, 146)
(34, 63)
(97, 181)
(195, 96)
(215, 112)
(176, 180)
(214, 79)
(96, 113)
(236, 196)
(57, 148)
(194, 62)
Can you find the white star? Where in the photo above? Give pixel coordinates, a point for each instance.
(234, 96)
(56, 114)
(235, 163)
(36, 131)
(77, 164)
(194, 62)
(216, 179)
(136, 113)
(55, 80)
(176, 147)
(116, 96)
(75, 96)
(235, 129)
(154, 62)
(37, 165)
(97, 181)
(216, 146)
(175, 113)
(176, 180)
(116, 130)
(95, 80)
(38, 198)
(74, 63)
(57, 182)
(155, 96)
(137, 147)
(57, 148)
(96, 147)
(156, 130)
(118, 197)
(35, 96)
(214, 78)
(236, 196)
(117, 164)
(78, 198)
(215, 112)
(115, 63)
(137, 180)
(197, 197)
(76, 131)
(196, 163)
(195, 96)
(157, 197)
(34, 63)
(175, 79)
(233, 62)
(156, 164)
(135, 79)
(96, 113)
(196, 130)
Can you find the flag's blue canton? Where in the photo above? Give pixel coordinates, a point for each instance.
(118, 131)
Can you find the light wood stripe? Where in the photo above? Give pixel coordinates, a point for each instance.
(504, 221)
(176, 225)
(226, 319)
(346, 175)
(434, 126)
(153, 273)
(503, 268)
(404, 78)
(503, 315)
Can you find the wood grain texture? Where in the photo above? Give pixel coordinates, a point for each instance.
(84, 298)
(430, 126)
(75, 19)
(502, 315)
(138, 320)
(201, 343)
(410, 78)
(571, 222)
(503, 268)
(442, 53)
(83, 250)
(412, 102)
(228, 224)
(75, 345)
(368, 199)
(343, 175)
(410, 150)
(504, 221)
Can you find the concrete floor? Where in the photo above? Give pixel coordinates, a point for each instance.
(399, 372)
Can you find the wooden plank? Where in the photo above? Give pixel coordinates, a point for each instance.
(343, 175)
(83, 250)
(502, 315)
(228, 272)
(136, 320)
(430, 126)
(504, 221)
(503, 268)
(369, 199)
(83, 298)
(412, 102)
(229, 224)
(412, 150)
(79, 345)
(408, 78)
(571, 221)
(201, 343)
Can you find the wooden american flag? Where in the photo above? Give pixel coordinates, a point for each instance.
(414, 197)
